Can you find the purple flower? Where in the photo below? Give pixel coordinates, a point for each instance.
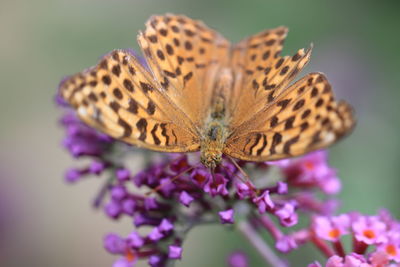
(245, 190)
(125, 262)
(238, 259)
(180, 164)
(82, 140)
(114, 244)
(145, 219)
(287, 215)
(286, 244)
(140, 178)
(113, 209)
(97, 167)
(155, 234)
(172, 181)
(135, 240)
(156, 260)
(175, 252)
(117, 245)
(123, 174)
(150, 203)
(128, 206)
(118, 193)
(281, 188)
(74, 175)
(200, 176)
(217, 186)
(264, 202)
(185, 198)
(58, 99)
(226, 216)
(165, 226)
(167, 187)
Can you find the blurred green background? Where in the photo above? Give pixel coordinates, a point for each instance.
(45, 222)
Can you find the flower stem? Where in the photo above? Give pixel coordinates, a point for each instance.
(322, 246)
(103, 191)
(261, 246)
(339, 248)
(271, 228)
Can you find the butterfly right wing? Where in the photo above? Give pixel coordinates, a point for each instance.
(121, 98)
(261, 73)
(305, 117)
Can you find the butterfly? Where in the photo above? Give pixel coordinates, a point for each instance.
(198, 92)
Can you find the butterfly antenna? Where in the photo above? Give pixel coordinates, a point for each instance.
(233, 174)
(212, 171)
(247, 177)
(173, 179)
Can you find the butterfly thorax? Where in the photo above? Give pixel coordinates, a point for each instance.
(215, 132)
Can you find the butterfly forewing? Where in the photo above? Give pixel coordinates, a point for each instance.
(305, 117)
(121, 98)
(185, 56)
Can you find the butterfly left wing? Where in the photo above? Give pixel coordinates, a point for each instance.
(119, 97)
(305, 117)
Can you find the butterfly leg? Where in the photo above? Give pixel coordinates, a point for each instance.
(245, 175)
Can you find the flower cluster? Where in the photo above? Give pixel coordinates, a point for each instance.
(173, 194)
(380, 232)
(169, 196)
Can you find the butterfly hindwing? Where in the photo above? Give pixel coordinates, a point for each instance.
(305, 117)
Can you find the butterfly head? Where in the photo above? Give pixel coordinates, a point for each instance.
(211, 160)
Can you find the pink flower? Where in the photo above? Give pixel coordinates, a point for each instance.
(331, 228)
(175, 252)
(379, 259)
(264, 202)
(286, 244)
(238, 259)
(185, 198)
(287, 215)
(244, 190)
(369, 230)
(335, 261)
(391, 247)
(312, 170)
(226, 216)
(352, 260)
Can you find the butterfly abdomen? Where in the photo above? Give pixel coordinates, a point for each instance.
(215, 131)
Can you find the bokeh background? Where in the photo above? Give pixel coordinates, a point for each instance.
(45, 222)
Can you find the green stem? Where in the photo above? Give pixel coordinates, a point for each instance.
(260, 245)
